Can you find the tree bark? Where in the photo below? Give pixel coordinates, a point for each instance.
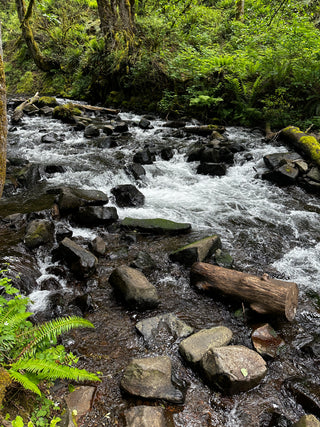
(307, 145)
(265, 295)
(117, 16)
(24, 15)
(239, 10)
(3, 121)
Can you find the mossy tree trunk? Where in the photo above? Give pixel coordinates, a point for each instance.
(305, 144)
(24, 15)
(239, 10)
(117, 19)
(3, 121)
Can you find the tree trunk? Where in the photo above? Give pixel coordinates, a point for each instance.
(239, 10)
(264, 294)
(3, 121)
(24, 15)
(305, 144)
(117, 17)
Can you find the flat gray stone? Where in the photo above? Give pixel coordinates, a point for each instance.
(155, 226)
(145, 416)
(71, 199)
(196, 346)
(150, 378)
(197, 251)
(170, 322)
(233, 368)
(134, 287)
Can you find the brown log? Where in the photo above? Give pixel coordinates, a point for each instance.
(19, 111)
(94, 108)
(264, 294)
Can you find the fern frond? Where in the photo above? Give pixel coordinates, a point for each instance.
(51, 370)
(13, 309)
(24, 381)
(51, 330)
(14, 319)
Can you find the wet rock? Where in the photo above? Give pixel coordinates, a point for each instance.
(155, 226)
(150, 378)
(50, 284)
(91, 131)
(105, 142)
(275, 160)
(81, 262)
(66, 113)
(107, 129)
(301, 165)
(134, 287)
(197, 251)
(46, 111)
(128, 195)
(145, 124)
(286, 174)
(274, 420)
(83, 302)
(209, 155)
(79, 402)
(98, 246)
(306, 394)
(194, 153)
(49, 138)
(38, 233)
(144, 262)
(314, 174)
(213, 169)
(62, 231)
(145, 157)
(169, 322)
(222, 258)
(307, 421)
(266, 341)
(91, 216)
(233, 369)
(54, 169)
(71, 199)
(136, 170)
(121, 127)
(196, 346)
(145, 416)
(23, 273)
(166, 153)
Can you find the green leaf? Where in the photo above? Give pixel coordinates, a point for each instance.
(244, 372)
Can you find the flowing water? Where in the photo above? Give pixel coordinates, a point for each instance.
(264, 227)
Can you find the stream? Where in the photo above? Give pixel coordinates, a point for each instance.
(265, 228)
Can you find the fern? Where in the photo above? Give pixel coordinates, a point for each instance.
(24, 381)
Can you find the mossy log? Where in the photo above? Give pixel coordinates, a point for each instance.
(3, 122)
(307, 145)
(265, 295)
(19, 111)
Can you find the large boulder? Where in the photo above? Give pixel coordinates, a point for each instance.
(66, 113)
(38, 233)
(81, 262)
(233, 369)
(155, 226)
(213, 169)
(150, 378)
(71, 199)
(91, 216)
(169, 322)
(307, 421)
(196, 346)
(128, 195)
(197, 251)
(145, 416)
(134, 287)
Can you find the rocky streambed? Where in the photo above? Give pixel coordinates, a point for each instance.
(93, 219)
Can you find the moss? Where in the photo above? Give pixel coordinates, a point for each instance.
(5, 380)
(313, 147)
(66, 113)
(49, 101)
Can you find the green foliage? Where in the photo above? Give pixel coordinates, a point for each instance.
(28, 352)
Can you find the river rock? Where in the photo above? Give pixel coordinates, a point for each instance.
(98, 246)
(54, 169)
(50, 284)
(128, 195)
(121, 127)
(81, 262)
(145, 416)
(91, 131)
(286, 174)
(144, 262)
(136, 170)
(49, 138)
(83, 303)
(91, 216)
(38, 233)
(196, 346)
(62, 231)
(145, 123)
(80, 400)
(107, 129)
(168, 322)
(314, 174)
(307, 421)
(166, 153)
(266, 341)
(196, 251)
(150, 378)
(233, 368)
(222, 258)
(155, 226)
(71, 199)
(306, 393)
(145, 157)
(275, 160)
(134, 287)
(213, 169)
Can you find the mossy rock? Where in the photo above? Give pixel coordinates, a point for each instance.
(155, 226)
(66, 113)
(306, 144)
(5, 380)
(197, 251)
(48, 101)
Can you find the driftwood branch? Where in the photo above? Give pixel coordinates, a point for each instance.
(264, 294)
(18, 112)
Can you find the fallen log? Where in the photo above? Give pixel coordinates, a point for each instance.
(19, 111)
(94, 108)
(304, 143)
(264, 294)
